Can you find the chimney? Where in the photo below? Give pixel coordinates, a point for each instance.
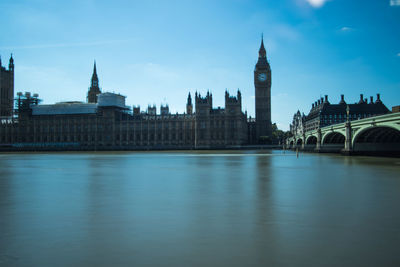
(326, 99)
(312, 105)
(319, 102)
(342, 100)
(361, 99)
(322, 100)
(378, 98)
(372, 99)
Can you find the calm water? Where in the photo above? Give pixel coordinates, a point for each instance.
(198, 209)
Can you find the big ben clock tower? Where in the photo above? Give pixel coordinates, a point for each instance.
(262, 84)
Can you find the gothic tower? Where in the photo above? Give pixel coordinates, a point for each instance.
(262, 84)
(203, 109)
(94, 88)
(7, 89)
(189, 105)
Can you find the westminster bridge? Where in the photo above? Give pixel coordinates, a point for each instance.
(377, 135)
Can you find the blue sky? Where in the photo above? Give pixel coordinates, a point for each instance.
(157, 51)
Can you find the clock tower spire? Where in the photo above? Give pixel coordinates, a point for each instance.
(94, 88)
(262, 85)
(262, 53)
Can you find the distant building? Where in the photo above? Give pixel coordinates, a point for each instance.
(297, 126)
(152, 110)
(164, 110)
(262, 85)
(94, 89)
(189, 105)
(108, 124)
(220, 127)
(104, 122)
(7, 89)
(323, 113)
(395, 109)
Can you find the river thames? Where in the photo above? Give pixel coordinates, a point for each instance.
(208, 208)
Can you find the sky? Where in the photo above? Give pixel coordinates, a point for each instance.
(156, 52)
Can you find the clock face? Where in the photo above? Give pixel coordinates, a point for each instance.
(262, 77)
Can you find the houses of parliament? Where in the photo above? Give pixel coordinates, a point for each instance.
(104, 122)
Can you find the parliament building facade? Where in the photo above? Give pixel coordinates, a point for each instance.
(104, 122)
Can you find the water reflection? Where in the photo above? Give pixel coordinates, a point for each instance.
(265, 247)
(198, 209)
(6, 215)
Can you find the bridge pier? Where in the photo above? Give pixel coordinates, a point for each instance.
(319, 140)
(348, 146)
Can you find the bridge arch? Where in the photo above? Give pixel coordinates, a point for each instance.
(333, 142)
(333, 138)
(377, 139)
(371, 131)
(299, 142)
(291, 144)
(311, 140)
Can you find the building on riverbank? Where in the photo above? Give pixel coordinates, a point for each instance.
(323, 113)
(109, 124)
(363, 128)
(104, 122)
(297, 126)
(7, 89)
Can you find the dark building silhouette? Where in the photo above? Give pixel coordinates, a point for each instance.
(220, 127)
(262, 84)
(323, 113)
(94, 89)
(104, 122)
(7, 89)
(189, 105)
(109, 125)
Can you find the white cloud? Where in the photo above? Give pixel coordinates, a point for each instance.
(394, 2)
(345, 29)
(320, 3)
(398, 54)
